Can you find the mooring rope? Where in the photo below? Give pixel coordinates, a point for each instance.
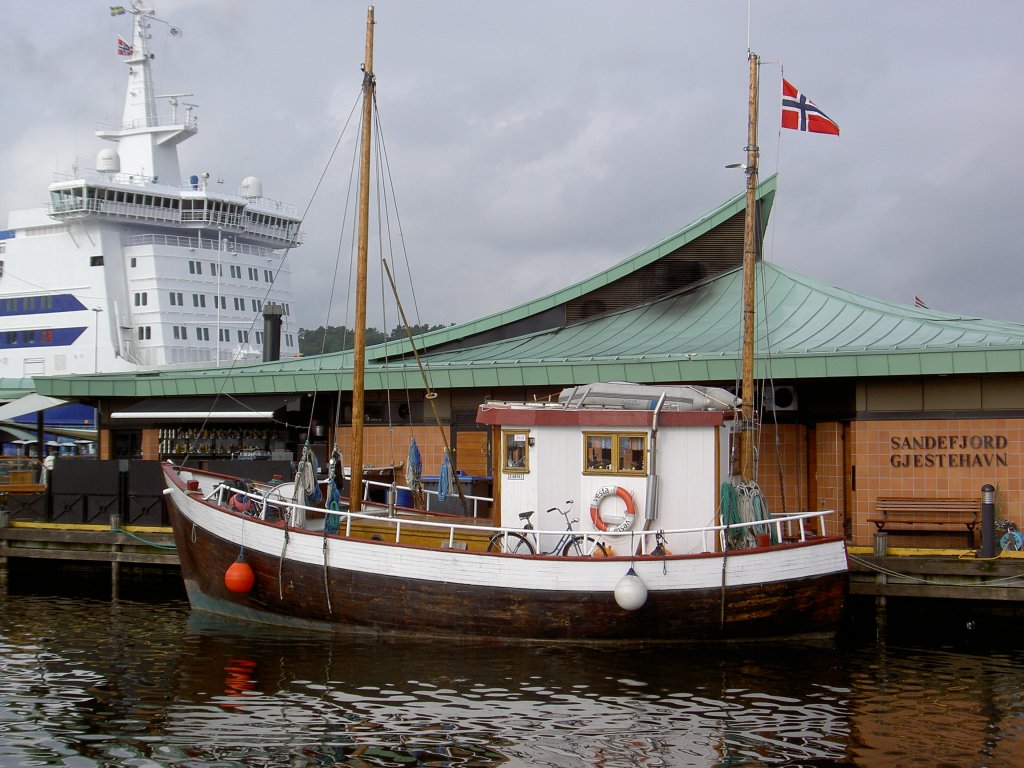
(145, 541)
(327, 581)
(280, 567)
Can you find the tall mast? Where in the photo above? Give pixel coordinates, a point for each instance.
(747, 432)
(359, 357)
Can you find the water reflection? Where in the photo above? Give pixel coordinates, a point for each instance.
(537, 705)
(88, 683)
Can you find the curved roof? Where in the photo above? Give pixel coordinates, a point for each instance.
(810, 330)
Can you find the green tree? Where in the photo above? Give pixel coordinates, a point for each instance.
(338, 338)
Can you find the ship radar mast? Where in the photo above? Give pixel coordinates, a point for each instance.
(147, 142)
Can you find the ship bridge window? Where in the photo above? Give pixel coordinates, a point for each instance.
(95, 261)
(67, 199)
(614, 453)
(515, 451)
(141, 299)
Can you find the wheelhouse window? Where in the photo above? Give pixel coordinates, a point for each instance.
(614, 453)
(515, 454)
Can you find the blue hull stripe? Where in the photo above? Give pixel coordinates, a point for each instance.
(19, 306)
(40, 338)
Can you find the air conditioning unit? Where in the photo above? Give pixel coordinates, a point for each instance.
(781, 398)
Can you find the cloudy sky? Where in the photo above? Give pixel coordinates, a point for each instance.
(534, 143)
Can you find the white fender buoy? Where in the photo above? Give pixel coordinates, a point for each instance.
(630, 592)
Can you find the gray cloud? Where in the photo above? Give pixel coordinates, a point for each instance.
(533, 143)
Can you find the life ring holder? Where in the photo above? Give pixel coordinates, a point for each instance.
(595, 508)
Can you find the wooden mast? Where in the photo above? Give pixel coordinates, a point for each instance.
(359, 331)
(747, 432)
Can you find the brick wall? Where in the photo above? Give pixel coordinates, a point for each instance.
(935, 458)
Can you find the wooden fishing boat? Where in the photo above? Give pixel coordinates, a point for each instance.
(657, 559)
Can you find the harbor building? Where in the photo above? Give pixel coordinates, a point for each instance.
(860, 400)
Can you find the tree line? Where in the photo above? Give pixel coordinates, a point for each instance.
(338, 338)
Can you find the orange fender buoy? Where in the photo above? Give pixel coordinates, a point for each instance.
(239, 576)
(240, 503)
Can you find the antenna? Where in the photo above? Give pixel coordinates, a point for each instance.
(172, 98)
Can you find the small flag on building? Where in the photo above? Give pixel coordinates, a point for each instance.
(124, 48)
(117, 10)
(801, 114)
(919, 302)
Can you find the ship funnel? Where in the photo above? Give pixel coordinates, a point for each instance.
(272, 314)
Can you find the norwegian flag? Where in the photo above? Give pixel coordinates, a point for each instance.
(919, 302)
(124, 48)
(801, 114)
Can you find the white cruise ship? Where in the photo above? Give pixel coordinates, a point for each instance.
(133, 266)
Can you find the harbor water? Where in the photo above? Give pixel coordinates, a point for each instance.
(86, 681)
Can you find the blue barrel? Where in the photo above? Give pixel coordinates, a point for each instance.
(403, 497)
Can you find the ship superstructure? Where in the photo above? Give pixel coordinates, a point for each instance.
(132, 266)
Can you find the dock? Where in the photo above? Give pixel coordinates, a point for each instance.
(108, 544)
(938, 574)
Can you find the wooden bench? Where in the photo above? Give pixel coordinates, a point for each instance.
(923, 516)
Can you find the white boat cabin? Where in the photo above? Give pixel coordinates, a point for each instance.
(627, 472)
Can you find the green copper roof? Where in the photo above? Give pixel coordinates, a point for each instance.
(12, 389)
(811, 329)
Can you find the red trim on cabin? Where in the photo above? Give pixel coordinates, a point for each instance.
(551, 417)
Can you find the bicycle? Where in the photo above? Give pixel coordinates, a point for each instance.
(571, 544)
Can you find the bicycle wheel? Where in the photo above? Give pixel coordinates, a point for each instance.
(510, 543)
(580, 546)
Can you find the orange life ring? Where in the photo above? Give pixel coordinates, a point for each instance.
(240, 503)
(595, 506)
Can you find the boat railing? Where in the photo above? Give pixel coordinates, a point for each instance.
(206, 244)
(709, 534)
(431, 497)
(789, 527)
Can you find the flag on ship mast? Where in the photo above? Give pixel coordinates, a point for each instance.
(919, 302)
(117, 10)
(801, 114)
(124, 48)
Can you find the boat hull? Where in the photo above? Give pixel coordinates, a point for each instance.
(339, 584)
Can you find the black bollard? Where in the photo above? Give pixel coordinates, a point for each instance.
(988, 521)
